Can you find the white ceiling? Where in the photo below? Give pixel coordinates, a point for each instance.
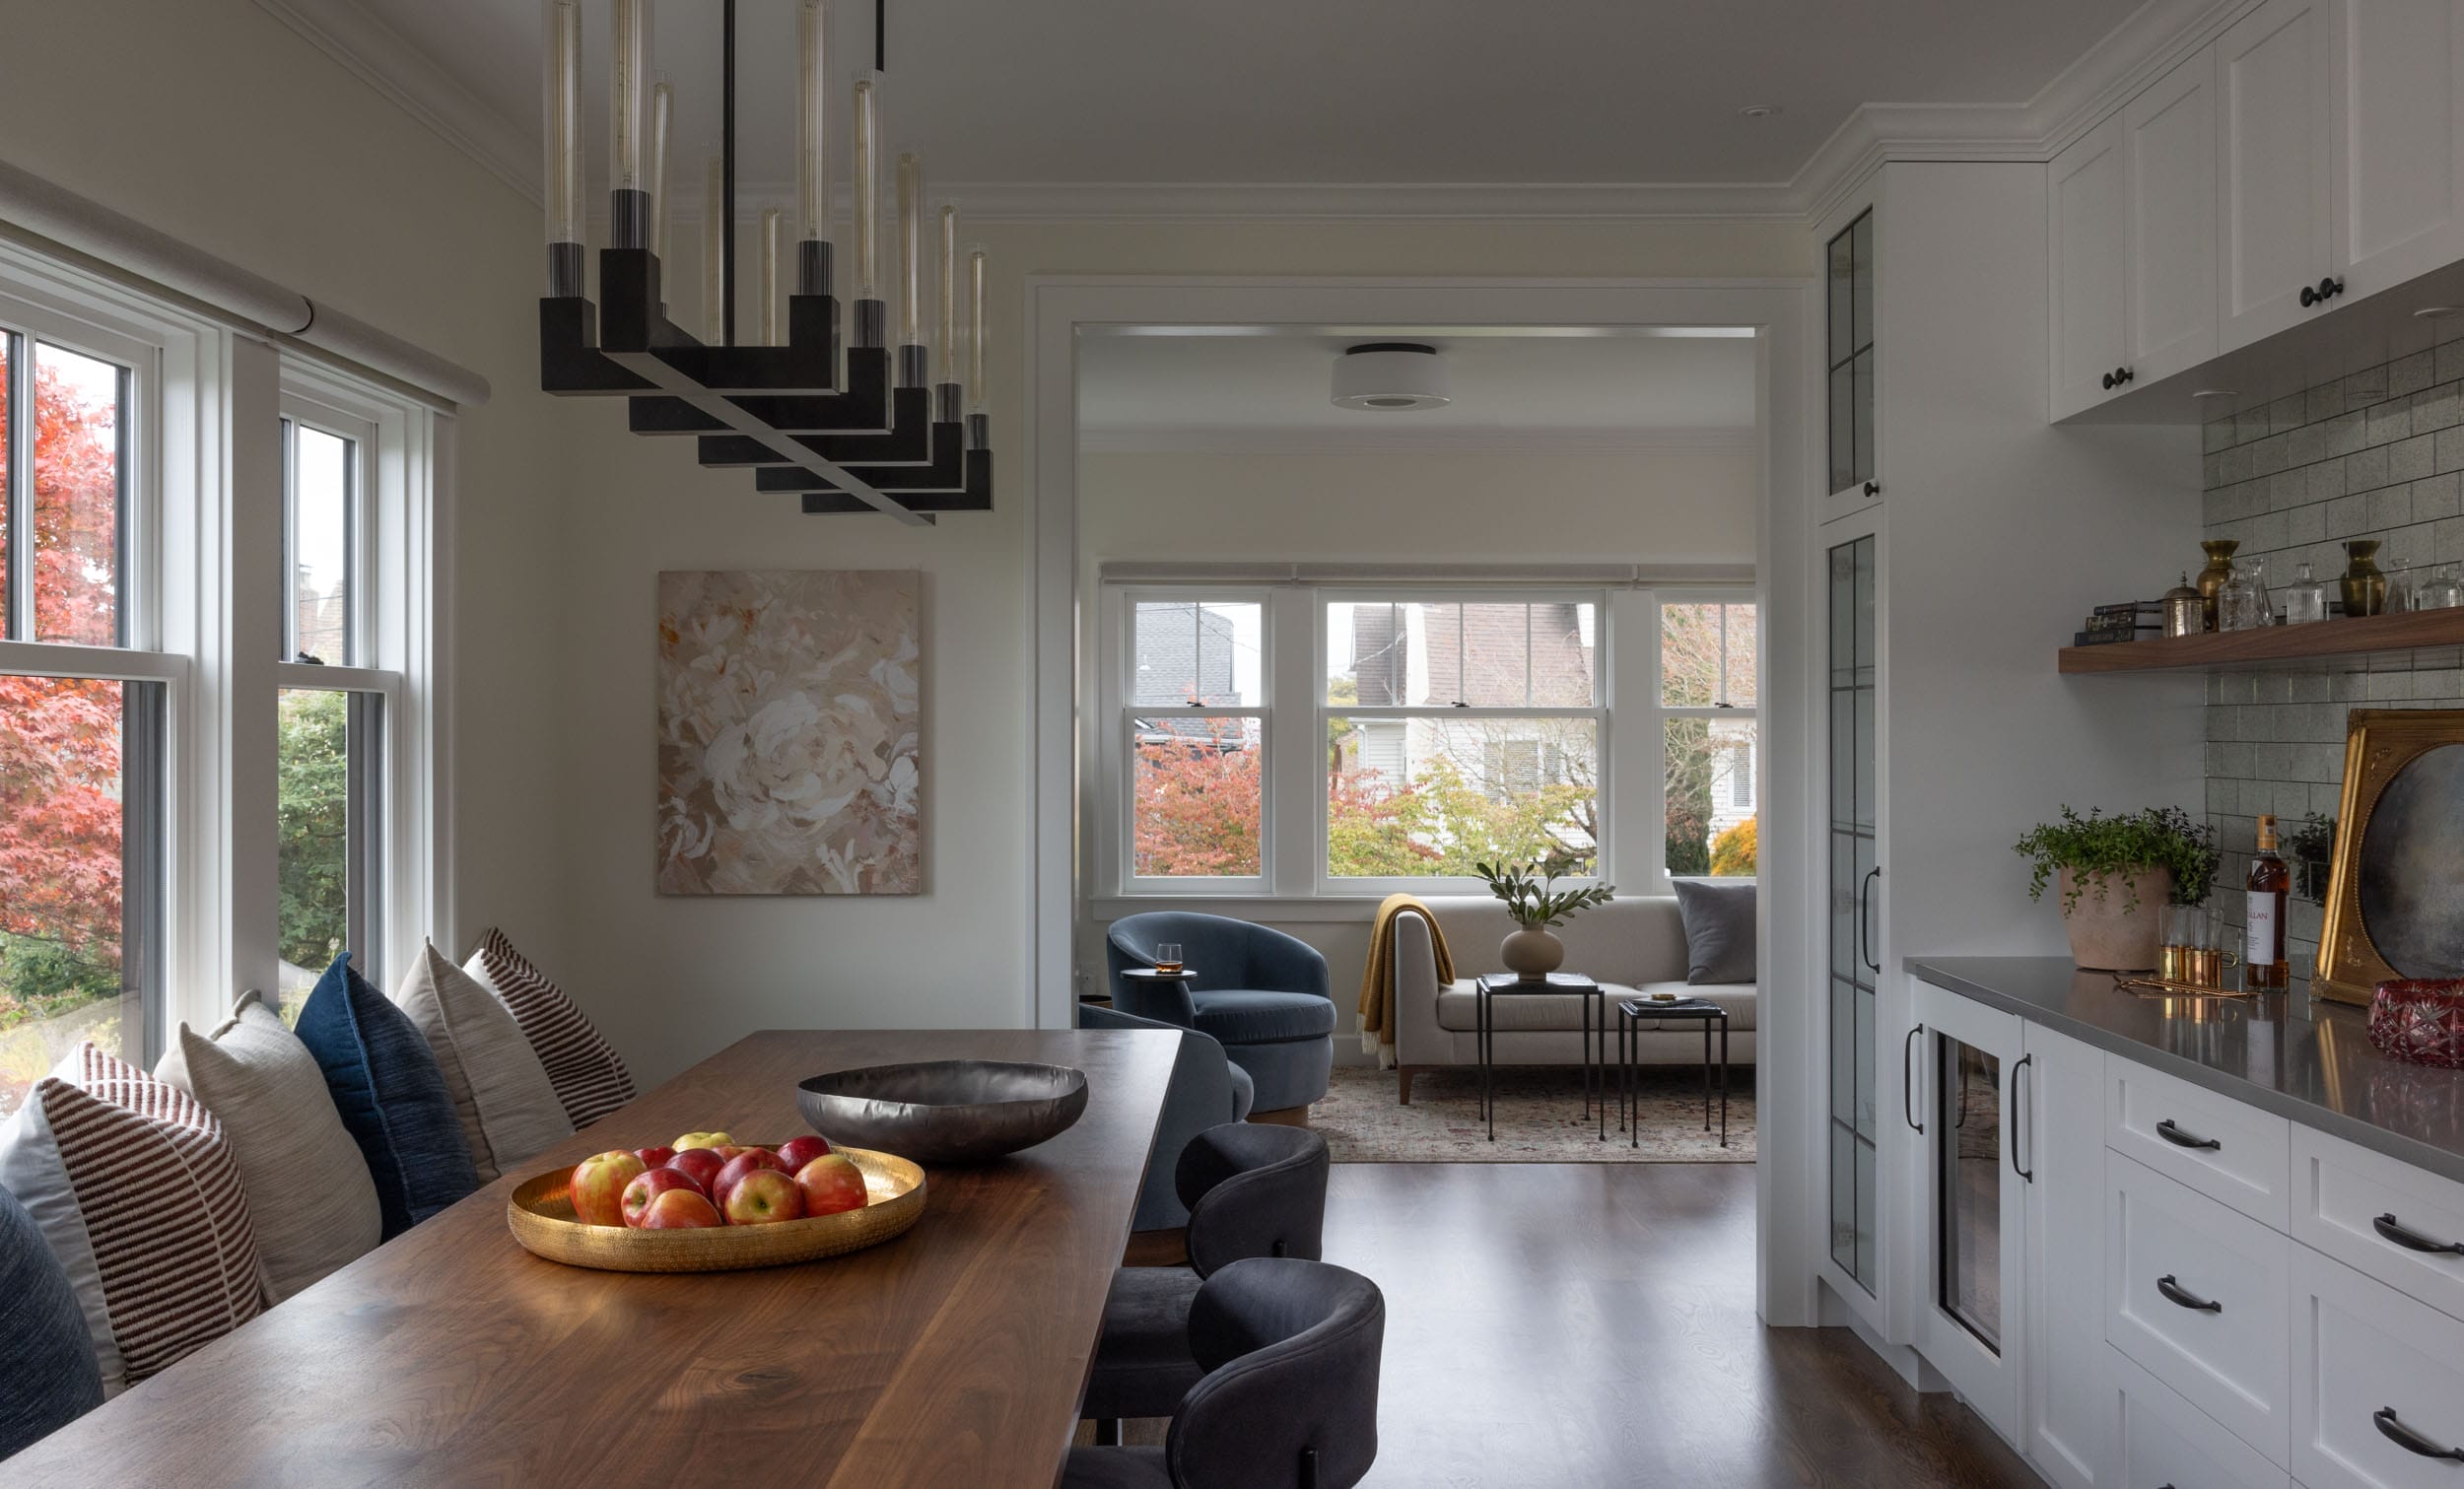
(1285, 91)
(1268, 390)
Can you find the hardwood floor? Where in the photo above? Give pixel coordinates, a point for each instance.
(1592, 1325)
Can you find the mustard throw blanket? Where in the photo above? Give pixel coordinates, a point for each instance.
(1377, 982)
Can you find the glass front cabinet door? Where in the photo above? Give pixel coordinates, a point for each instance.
(1965, 1091)
(1853, 952)
(1849, 362)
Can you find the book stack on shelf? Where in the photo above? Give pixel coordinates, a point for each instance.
(2129, 621)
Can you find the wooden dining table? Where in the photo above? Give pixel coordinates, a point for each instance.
(953, 1356)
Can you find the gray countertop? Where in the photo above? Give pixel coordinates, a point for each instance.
(2307, 1061)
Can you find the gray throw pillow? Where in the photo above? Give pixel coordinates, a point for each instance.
(1719, 930)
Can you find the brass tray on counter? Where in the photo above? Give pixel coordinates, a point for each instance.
(540, 1213)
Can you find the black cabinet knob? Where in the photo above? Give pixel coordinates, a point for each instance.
(1872, 488)
(2109, 382)
(2310, 297)
(2330, 285)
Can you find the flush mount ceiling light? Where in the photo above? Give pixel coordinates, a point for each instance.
(1391, 376)
(1759, 112)
(858, 434)
(2439, 313)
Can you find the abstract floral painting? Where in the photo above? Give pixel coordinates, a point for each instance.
(788, 760)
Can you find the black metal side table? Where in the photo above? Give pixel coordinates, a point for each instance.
(1631, 1013)
(1147, 979)
(1558, 985)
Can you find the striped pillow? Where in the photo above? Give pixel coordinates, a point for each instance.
(135, 1189)
(588, 1076)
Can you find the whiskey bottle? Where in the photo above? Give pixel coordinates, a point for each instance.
(2263, 962)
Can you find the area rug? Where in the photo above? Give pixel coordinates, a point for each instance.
(1540, 1119)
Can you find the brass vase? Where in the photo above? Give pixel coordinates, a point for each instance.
(2365, 587)
(2219, 572)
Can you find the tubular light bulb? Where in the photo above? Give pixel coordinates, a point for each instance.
(975, 331)
(629, 97)
(562, 97)
(909, 249)
(867, 153)
(945, 302)
(714, 253)
(773, 332)
(662, 117)
(812, 122)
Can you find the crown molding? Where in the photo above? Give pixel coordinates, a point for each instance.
(2148, 43)
(1167, 439)
(378, 56)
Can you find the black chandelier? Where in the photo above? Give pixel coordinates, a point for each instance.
(844, 427)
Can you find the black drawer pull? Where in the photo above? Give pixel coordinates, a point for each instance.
(2174, 1293)
(2410, 1441)
(2181, 1139)
(2411, 1240)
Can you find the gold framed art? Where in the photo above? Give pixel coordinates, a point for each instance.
(2395, 889)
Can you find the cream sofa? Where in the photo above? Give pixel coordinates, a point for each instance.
(1628, 946)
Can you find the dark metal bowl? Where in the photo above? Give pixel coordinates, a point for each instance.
(944, 1110)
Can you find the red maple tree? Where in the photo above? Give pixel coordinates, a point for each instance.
(60, 737)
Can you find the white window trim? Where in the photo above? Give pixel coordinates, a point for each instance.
(1660, 713)
(202, 587)
(1117, 652)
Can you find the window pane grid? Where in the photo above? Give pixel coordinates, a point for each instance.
(329, 844)
(321, 545)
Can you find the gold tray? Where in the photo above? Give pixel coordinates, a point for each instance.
(541, 1215)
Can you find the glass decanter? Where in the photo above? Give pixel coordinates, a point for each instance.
(2305, 598)
(2442, 590)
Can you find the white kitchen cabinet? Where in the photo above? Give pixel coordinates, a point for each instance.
(1969, 1317)
(2059, 1094)
(2156, 1439)
(2276, 90)
(2087, 196)
(2168, 152)
(2400, 151)
(2133, 252)
(2378, 1383)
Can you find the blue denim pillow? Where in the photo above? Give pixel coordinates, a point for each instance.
(392, 1096)
(50, 1379)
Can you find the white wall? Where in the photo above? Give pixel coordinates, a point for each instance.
(1666, 505)
(1465, 507)
(213, 122)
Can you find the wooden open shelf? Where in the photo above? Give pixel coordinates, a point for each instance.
(2276, 645)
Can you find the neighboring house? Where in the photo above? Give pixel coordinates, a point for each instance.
(1481, 657)
(1732, 776)
(1184, 656)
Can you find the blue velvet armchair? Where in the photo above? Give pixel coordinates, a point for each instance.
(1261, 993)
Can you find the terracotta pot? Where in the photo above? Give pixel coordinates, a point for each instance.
(1533, 953)
(2113, 924)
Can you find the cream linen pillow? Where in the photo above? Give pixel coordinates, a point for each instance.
(508, 1110)
(314, 1205)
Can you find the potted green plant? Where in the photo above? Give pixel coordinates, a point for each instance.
(1536, 904)
(2115, 873)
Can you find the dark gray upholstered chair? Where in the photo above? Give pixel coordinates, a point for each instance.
(1259, 992)
(1206, 1091)
(1252, 1190)
(1289, 1399)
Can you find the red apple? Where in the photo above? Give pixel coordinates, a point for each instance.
(701, 1165)
(832, 1182)
(797, 1152)
(762, 1195)
(655, 1158)
(598, 1186)
(646, 1186)
(680, 1209)
(749, 1161)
